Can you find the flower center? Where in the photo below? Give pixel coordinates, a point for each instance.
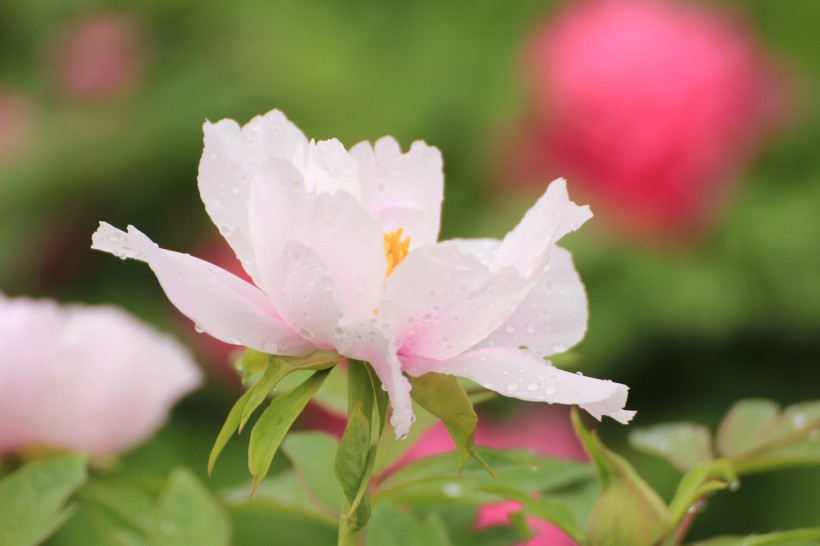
(395, 249)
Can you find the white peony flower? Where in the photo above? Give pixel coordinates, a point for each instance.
(342, 248)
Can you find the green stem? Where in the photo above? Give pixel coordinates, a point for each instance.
(347, 535)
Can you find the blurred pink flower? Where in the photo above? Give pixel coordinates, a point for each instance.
(543, 429)
(100, 56)
(651, 105)
(15, 123)
(91, 379)
(544, 534)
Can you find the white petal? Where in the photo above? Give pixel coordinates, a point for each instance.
(439, 302)
(309, 302)
(553, 316)
(229, 160)
(330, 168)
(553, 216)
(368, 343)
(347, 241)
(219, 303)
(402, 190)
(513, 373)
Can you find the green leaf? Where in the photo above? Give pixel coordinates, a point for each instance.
(683, 445)
(774, 438)
(548, 509)
(432, 479)
(186, 513)
(797, 537)
(228, 429)
(743, 427)
(32, 498)
(629, 510)
(283, 494)
(701, 481)
(444, 397)
(312, 455)
(392, 526)
(356, 453)
(274, 423)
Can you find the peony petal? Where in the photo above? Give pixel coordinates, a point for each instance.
(221, 304)
(349, 243)
(367, 342)
(553, 316)
(230, 158)
(440, 302)
(309, 301)
(514, 373)
(553, 216)
(402, 190)
(330, 168)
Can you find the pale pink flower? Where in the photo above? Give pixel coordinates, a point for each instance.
(91, 379)
(544, 533)
(341, 246)
(650, 105)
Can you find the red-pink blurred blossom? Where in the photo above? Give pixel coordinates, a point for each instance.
(543, 429)
(91, 379)
(650, 107)
(100, 56)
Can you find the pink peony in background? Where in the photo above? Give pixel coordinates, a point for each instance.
(100, 56)
(91, 379)
(650, 106)
(545, 430)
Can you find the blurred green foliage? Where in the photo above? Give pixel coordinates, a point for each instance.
(690, 328)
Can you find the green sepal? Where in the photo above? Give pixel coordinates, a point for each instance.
(33, 498)
(274, 423)
(443, 396)
(357, 448)
(273, 369)
(629, 510)
(698, 483)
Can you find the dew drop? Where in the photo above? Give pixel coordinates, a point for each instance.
(225, 229)
(532, 387)
(307, 334)
(734, 486)
(549, 391)
(199, 329)
(512, 387)
(558, 348)
(452, 490)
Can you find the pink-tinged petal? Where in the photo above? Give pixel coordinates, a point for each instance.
(553, 316)
(221, 304)
(231, 156)
(402, 190)
(440, 302)
(330, 168)
(526, 247)
(90, 379)
(309, 303)
(367, 342)
(349, 243)
(514, 373)
(544, 533)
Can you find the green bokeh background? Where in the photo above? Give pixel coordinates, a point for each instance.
(690, 328)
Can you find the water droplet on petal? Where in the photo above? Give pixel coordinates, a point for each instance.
(532, 387)
(512, 387)
(199, 329)
(549, 391)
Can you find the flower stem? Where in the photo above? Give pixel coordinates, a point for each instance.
(347, 535)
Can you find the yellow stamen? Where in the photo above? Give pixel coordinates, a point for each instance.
(395, 249)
